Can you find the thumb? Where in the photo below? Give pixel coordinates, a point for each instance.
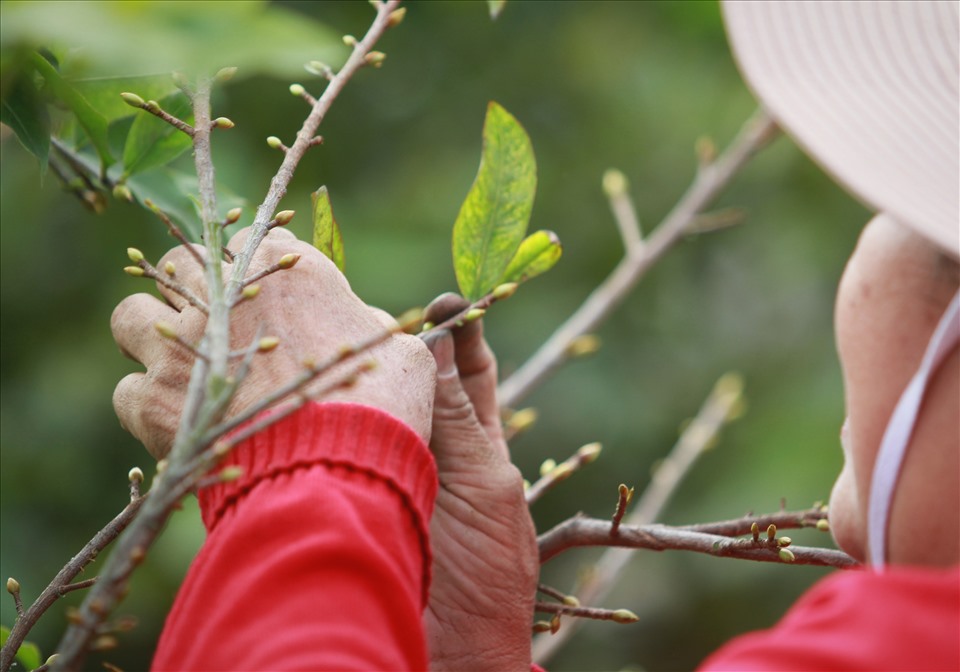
(458, 439)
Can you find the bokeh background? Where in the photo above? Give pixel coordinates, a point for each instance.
(629, 85)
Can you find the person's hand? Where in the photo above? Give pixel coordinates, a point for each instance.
(309, 307)
(485, 559)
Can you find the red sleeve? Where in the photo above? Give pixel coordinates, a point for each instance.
(317, 557)
(903, 619)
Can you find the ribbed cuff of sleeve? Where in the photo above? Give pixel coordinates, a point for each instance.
(352, 436)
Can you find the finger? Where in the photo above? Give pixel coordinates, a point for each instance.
(386, 319)
(187, 272)
(458, 431)
(133, 324)
(151, 423)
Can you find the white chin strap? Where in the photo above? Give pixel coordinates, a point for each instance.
(897, 436)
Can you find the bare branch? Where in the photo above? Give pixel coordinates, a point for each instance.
(561, 472)
(175, 231)
(617, 615)
(708, 183)
(624, 495)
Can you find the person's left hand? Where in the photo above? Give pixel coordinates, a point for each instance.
(485, 558)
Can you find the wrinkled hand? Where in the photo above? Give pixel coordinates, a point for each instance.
(312, 310)
(485, 564)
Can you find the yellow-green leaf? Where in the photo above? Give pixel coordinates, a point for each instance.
(493, 218)
(537, 254)
(326, 231)
(152, 142)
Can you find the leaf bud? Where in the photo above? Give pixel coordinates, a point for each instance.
(350, 41)
(250, 291)
(268, 343)
(13, 586)
(132, 99)
(589, 453)
(526, 485)
(555, 624)
(153, 106)
(288, 260)
(561, 472)
(823, 525)
(375, 58)
(223, 122)
(170, 268)
(165, 329)
(427, 326)
(548, 465)
(783, 542)
(706, 150)
(135, 255)
(180, 80)
(522, 420)
(284, 216)
(231, 473)
(104, 643)
(122, 192)
(225, 74)
(297, 90)
(52, 659)
(541, 626)
(571, 601)
(162, 466)
(505, 291)
(614, 183)
(396, 17)
(274, 142)
(786, 555)
(583, 345)
(317, 68)
(134, 271)
(755, 531)
(135, 475)
(474, 314)
(410, 319)
(625, 616)
(233, 215)
(73, 615)
(772, 532)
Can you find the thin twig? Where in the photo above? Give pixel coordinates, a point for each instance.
(154, 108)
(175, 231)
(624, 495)
(709, 182)
(552, 592)
(164, 279)
(618, 615)
(79, 585)
(584, 456)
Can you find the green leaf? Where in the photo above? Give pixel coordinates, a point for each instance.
(4, 633)
(537, 254)
(153, 142)
(92, 121)
(326, 231)
(23, 110)
(496, 7)
(495, 214)
(29, 656)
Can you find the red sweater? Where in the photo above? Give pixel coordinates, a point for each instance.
(318, 558)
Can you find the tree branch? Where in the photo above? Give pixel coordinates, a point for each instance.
(710, 180)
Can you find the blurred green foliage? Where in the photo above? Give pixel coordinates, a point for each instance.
(596, 85)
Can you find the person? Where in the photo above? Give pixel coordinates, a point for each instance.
(385, 528)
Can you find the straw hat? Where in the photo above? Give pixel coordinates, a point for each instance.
(870, 91)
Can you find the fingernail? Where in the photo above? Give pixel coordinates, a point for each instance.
(440, 344)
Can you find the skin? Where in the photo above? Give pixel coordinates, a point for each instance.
(894, 290)
(484, 545)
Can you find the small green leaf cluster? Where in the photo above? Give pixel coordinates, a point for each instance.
(28, 654)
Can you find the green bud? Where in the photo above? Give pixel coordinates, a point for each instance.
(221, 448)
(225, 74)
(135, 255)
(555, 624)
(135, 475)
(350, 41)
(561, 472)
(231, 473)
(783, 542)
(268, 343)
(427, 326)
(375, 58)
(122, 192)
(755, 531)
(180, 80)
(274, 142)
(152, 105)
(772, 532)
(823, 525)
(526, 485)
(590, 452)
(223, 122)
(104, 643)
(522, 420)
(297, 90)
(396, 17)
(614, 183)
(505, 291)
(250, 291)
(583, 345)
(548, 465)
(52, 659)
(541, 626)
(571, 601)
(170, 268)
(233, 215)
(165, 329)
(317, 68)
(134, 271)
(13, 586)
(132, 99)
(474, 314)
(625, 616)
(288, 260)
(786, 555)
(284, 217)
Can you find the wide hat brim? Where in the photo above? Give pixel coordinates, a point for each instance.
(870, 91)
